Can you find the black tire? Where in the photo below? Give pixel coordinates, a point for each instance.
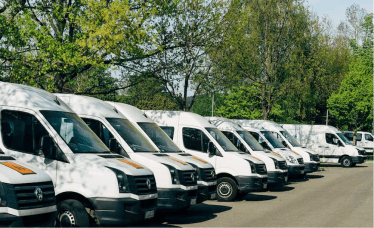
(226, 189)
(346, 162)
(71, 213)
(241, 195)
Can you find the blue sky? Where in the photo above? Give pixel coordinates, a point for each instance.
(335, 9)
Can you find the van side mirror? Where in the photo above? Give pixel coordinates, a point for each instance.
(285, 144)
(211, 149)
(242, 147)
(113, 146)
(265, 145)
(47, 147)
(340, 144)
(335, 141)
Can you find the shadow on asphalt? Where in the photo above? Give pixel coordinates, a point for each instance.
(314, 176)
(338, 165)
(199, 213)
(254, 197)
(280, 188)
(298, 180)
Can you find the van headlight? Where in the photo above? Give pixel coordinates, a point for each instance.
(3, 202)
(173, 173)
(123, 183)
(252, 165)
(291, 159)
(276, 165)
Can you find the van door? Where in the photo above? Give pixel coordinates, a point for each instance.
(22, 134)
(196, 142)
(333, 147)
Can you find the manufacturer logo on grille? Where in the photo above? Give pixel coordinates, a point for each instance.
(38, 194)
(148, 182)
(212, 173)
(192, 177)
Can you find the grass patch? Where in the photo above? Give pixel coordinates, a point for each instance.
(369, 158)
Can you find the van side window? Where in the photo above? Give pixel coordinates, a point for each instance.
(260, 140)
(349, 136)
(169, 131)
(100, 130)
(235, 140)
(359, 137)
(21, 131)
(195, 139)
(368, 137)
(331, 139)
(280, 139)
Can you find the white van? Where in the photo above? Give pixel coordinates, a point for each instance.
(27, 196)
(176, 180)
(311, 158)
(364, 140)
(91, 183)
(267, 140)
(276, 165)
(238, 173)
(206, 178)
(329, 142)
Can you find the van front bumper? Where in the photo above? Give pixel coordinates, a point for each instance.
(175, 199)
(311, 167)
(358, 159)
(252, 183)
(33, 221)
(206, 192)
(296, 170)
(276, 177)
(120, 211)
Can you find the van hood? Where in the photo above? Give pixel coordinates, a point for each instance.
(15, 172)
(168, 160)
(287, 152)
(186, 157)
(249, 157)
(116, 161)
(309, 150)
(272, 154)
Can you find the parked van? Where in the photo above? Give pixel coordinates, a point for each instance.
(206, 177)
(267, 140)
(27, 196)
(276, 166)
(91, 184)
(238, 173)
(176, 180)
(364, 140)
(329, 142)
(311, 158)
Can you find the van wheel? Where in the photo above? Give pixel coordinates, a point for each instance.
(346, 162)
(226, 189)
(72, 213)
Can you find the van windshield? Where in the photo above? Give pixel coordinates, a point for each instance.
(222, 140)
(273, 141)
(77, 135)
(132, 136)
(290, 139)
(344, 139)
(250, 140)
(158, 136)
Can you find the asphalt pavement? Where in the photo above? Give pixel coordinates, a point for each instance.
(335, 197)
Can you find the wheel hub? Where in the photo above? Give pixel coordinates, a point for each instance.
(224, 189)
(67, 219)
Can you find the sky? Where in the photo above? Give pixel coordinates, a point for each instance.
(335, 9)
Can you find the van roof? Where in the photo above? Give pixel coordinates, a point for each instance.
(83, 105)
(261, 124)
(224, 124)
(132, 113)
(311, 128)
(173, 118)
(16, 95)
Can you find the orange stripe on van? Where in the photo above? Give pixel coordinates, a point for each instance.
(131, 163)
(179, 161)
(275, 154)
(18, 168)
(254, 157)
(199, 159)
(294, 152)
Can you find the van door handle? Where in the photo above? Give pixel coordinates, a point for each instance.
(327, 147)
(320, 146)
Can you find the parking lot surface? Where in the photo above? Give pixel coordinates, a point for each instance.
(335, 197)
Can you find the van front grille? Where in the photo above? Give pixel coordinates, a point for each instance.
(282, 164)
(208, 174)
(138, 184)
(261, 169)
(315, 157)
(187, 178)
(300, 160)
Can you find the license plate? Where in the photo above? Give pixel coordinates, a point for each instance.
(265, 185)
(193, 201)
(213, 196)
(302, 172)
(149, 214)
